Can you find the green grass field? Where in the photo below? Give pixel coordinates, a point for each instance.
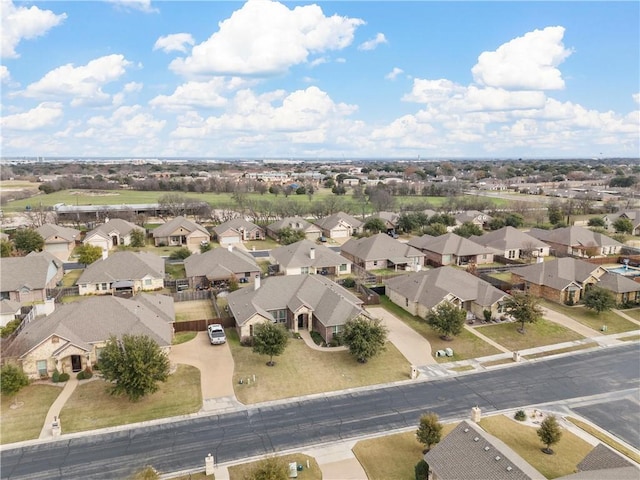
(614, 322)
(26, 422)
(543, 332)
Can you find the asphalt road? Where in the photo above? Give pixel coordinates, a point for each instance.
(260, 430)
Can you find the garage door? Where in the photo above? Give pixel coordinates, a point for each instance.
(59, 250)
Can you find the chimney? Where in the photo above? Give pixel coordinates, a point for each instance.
(230, 248)
(312, 253)
(256, 282)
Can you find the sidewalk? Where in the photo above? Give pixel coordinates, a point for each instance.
(56, 407)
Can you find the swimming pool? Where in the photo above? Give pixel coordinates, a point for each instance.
(626, 271)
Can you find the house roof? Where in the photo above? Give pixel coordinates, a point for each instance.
(295, 223)
(123, 266)
(50, 231)
(95, 319)
(299, 255)
(508, 238)
(449, 244)
(574, 236)
(30, 271)
(219, 263)
(236, 224)
(379, 247)
(113, 226)
(172, 225)
(602, 462)
(334, 220)
(430, 287)
(331, 304)
(558, 273)
(9, 306)
(470, 453)
(389, 217)
(618, 283)
(471, 215)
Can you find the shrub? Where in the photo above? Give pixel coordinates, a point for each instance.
(80, 375)
(246, 341)
(569, 302)
(96, 366)
(349, 282)
(487, 315)
(10, 327)
(520, 416)
(87, 372)
(317, 338)
(422, 470)
(55, 376)
(64, 377)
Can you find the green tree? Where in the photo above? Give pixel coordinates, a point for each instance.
(623, 225)
(87, 254)
(12, 380)
(5, 248)
(374, 225)
(137, 238)
(524, 308)
(27, 240)
(447, 319)
(271, 468)
(269, 339)
(429, 430)
(596, 222)
(468, 229)
(134, 364)
(205, 247)
(180, 254)
(549, 433)
(365, 337)
(599, 300)
(554, 211)
(287, 235)
(421, 470)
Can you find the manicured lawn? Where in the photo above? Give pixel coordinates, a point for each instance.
(243, 471)
(91, 406)
(569, 451)
(25, 423)
(392, 456)
(194, 310)
(614, 322)
(266, 244)
(606, 439)
(504, 276)
(633, 313)
(465, 346)
(543, 332)
(303, 371)
(176, 271)
(183, 337)
(71, 277)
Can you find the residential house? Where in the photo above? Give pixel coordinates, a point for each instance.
(298, 302)
(451, 249)
(9, 311)
(512, 243)
(339, 225)
(71, 338)
(237, 230)
(566, 280)
(306, 256)
(475, 217)
(633, 215)
(181, 232)
(577, 242)
(220, 264)
(381, 251)
(58, 240)
(111, 234)
(470, 453)
(419, 293)
(602, 462)
(311, 231)
(123, 273)
(26, 279)
(390, 220)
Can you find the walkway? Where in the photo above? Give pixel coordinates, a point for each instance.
(570, 323)
(306, 336)
(56, 407)
(626, 317)
(486, 339)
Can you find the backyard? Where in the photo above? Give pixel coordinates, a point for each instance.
(194, 310)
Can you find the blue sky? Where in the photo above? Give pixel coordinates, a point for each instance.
(327, 79)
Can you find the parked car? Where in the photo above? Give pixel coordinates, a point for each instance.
(216, 334)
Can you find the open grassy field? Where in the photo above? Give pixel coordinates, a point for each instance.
(537, 334)
(244, 471)
(614, 322)
(569, 451)
(91, 406)
(465, 346)
(303, 371)
(25, 422)
(194, 310)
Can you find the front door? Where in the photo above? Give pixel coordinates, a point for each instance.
(76, 363)
(301, 320)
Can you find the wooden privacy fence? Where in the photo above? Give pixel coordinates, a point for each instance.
(201, 325)
(191, 295)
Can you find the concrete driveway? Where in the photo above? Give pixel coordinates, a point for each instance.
(411, 344)
(214, 362)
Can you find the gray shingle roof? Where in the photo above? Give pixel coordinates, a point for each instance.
(96, 318)
(558, 273)
(297, 255)
(171, 226)
(30, 271)
(50, 230)
(574, 236)
(470, 453)
(379, 247)
(9, 306)
(295, 223)
(508, 238)
(430, 287)
(113, 226)
(327, 223)
(331, 303)
(602, 457)
(618, 283)
(235, 224)
(219, 263)
(449, 244)
(123, 266)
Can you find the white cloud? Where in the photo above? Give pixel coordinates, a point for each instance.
(373, 43)
(140, 5)
(636, 97)
(44, 115)
(20, 23)
(84, 83)
(393, 74)
(528, 62)
(125, 123)
(131, 87)
(176, 42)
(318, 61)
(5, 76)
(247, 44)
(432, 91)
(193, 94)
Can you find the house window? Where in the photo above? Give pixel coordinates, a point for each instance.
(41, 365)
(406, 302)
(511, 254)
(337, 329)
(375, 263)
(55, 339)
(99, 353)
(104, 286)
(343, 267)
(280, 316)
(251, 330)
(304, 270)
(147, 281)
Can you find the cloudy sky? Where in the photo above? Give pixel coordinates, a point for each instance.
(339, 79)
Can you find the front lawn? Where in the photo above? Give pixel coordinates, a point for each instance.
(633, 313)
(26, 422)
(543, 332)
(244, 470)
(183, 337)
(614, 322)
(194, 310)
(303, 371)
(464, 346)
(91, 406)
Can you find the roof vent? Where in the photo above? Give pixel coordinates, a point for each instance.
(476, 439)
(486, 449)
(497, 457)
(509, 468)
(466, 430)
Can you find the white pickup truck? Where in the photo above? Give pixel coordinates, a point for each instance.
(216, 334)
